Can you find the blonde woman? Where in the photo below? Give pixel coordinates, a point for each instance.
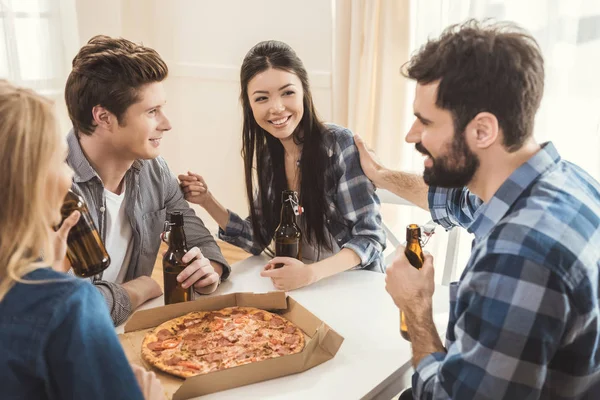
(57, 340)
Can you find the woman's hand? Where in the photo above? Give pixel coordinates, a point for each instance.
(195, 189)
(293, 275)
(61, 263)
(149, 384)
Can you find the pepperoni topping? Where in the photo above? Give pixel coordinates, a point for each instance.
(283, 351)
(155, 346)
(291, 339)
(289, 329)
(174, 361)
(164, 334)
(170, 343)
(193, 336)
(276, 322)
(259, 316)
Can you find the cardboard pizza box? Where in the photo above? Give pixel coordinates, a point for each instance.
(321, 344)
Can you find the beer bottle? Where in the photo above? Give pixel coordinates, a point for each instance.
(174, 236)
(288, 237)
(85, 249)
(415, 256)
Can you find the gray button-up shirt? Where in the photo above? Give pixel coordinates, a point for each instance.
(151, 192)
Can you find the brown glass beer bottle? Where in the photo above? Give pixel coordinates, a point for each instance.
(415, 256)
(288, 237)
(174, 236)
(85, 249)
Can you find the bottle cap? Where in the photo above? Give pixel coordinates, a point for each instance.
(176, 218)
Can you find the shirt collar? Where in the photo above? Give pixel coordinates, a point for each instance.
(490, 213)
(83, 170)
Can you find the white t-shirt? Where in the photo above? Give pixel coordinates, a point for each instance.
(119, 237)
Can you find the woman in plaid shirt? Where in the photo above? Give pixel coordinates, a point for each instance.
(286, 146)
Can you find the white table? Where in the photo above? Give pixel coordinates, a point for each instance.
(372, 363)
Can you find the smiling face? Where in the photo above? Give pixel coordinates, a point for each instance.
(276, 98)
(143, 126)
(450, 162)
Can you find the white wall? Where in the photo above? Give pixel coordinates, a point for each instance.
(203, 43)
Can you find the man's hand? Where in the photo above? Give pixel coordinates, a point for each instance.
(195, 189)
(141, 289)
(149, 384)
(293, 275)
(409, 287)
(412, 291)
(368, 161)
(200, 273)
(61, 263)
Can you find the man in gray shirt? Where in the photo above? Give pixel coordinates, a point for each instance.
(115, 96)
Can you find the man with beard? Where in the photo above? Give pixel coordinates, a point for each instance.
(524, 317)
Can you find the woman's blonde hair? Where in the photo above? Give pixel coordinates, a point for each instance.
(29, 142)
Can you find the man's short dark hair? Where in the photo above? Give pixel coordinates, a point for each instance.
(109, 72)
(484, 66)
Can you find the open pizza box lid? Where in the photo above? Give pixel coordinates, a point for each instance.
(322, 343)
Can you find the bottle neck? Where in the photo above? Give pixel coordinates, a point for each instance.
(288, 199)
(413, 250)
(287, 214)
(177, 240)
(413, 236)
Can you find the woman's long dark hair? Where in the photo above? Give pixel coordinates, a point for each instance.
(259, 145)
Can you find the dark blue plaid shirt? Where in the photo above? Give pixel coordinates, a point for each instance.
(524, 317)
(353, 217)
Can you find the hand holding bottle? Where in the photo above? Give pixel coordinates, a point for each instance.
(61, 263)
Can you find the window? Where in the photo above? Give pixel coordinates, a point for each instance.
(32, 50)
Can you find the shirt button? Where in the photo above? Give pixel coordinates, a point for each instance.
(102, 209)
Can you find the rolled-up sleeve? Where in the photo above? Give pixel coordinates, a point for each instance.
(238, 232)
(358, 203)
(453, 207)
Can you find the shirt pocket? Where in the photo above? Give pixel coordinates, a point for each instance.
(152, 226)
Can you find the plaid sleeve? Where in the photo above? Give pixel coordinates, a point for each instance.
(239, 233)
(511, 317)
(358, 203)
(453, 207)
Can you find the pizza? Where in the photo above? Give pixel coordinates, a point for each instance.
(206, 341)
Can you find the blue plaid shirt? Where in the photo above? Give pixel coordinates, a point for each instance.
(524, 317)
(353, 217)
